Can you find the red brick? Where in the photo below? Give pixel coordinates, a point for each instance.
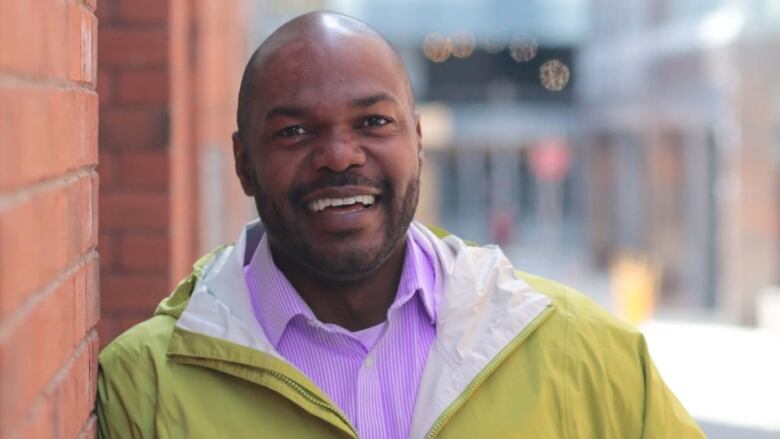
(144, 87)
(56, 60)
(86, 296)
(39, 421)
(106, 12)
(139, 293)
(107, 170)
(23, 120)
(133, 47)
(107, 246)
(89, 211)
(50, 324)
(80, 297)
(73, 114)
(144, 251)
(107, 326)
(27, 123)
(132, 211)
(33, 35)
(90, 4)
(40, 238)
(143, 170)
(92, 296)
(133, 129)
(82, 43)
(105, 85)
(144, 11)
(16, 32)
(73, 397)
(89, 131)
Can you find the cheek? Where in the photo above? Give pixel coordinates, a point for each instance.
(403, 167)
(274, 175)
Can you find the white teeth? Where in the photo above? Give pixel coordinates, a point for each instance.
(322, 203)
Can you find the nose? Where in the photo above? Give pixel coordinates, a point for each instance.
(338, 151)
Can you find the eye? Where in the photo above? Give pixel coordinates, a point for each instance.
(292, 131)
(374, 120)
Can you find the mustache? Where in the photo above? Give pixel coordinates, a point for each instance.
(337, 180)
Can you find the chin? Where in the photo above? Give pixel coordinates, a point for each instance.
(350, 261)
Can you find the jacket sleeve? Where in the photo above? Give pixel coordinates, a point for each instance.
(126, 396)
(664, 416)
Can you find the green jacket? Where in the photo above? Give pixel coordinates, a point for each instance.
(515, 356)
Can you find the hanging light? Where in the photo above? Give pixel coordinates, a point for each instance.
(437, 47)
(554, 75)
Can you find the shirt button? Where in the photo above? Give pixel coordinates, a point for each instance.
(369, 363)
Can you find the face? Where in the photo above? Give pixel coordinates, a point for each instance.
(333, 155)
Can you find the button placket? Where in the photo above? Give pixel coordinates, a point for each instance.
(369, 400)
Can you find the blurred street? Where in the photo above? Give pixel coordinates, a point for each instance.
(726, 376)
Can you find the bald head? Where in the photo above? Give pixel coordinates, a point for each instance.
(320, 33)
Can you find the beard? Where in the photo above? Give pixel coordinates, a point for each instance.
(286, 231)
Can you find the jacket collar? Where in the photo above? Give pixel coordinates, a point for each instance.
(483, 306)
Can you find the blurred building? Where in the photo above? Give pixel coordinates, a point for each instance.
(475, 67)
(680, 103)
(168, 76)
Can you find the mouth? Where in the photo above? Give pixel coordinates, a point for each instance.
(335, 210)
(342, 204)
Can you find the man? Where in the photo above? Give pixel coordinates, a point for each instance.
(339, 316)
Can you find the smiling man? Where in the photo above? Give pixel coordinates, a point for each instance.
(336, 315)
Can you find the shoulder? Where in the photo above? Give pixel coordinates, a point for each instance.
(131, 362)
(607, 364)
(143, 347)
(577, 309)
(128, 372)
(599, 359)
(144, 340)
(586, 324)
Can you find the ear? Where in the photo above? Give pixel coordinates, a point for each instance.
(243, 165)
(418, 129)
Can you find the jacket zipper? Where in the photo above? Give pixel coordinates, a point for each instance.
(489, 369)
(311, 398)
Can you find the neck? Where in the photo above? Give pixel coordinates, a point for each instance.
(353, 304)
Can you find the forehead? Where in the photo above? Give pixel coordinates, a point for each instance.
(311, 70)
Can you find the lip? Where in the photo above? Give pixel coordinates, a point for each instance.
(339, 192)
(331, 223)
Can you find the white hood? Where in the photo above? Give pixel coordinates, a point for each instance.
(482, 305)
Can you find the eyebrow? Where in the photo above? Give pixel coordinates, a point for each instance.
(293, 111)
(368, 101)
(285, 110)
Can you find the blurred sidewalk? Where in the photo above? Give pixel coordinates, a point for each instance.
(728, 377)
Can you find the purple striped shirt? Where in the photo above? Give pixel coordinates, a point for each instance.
(375, 386)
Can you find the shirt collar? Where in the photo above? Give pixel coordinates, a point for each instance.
(275, 302)
(417, 277)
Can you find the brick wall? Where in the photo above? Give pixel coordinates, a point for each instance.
(161, 100)
(48, 218)
(134, 87)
